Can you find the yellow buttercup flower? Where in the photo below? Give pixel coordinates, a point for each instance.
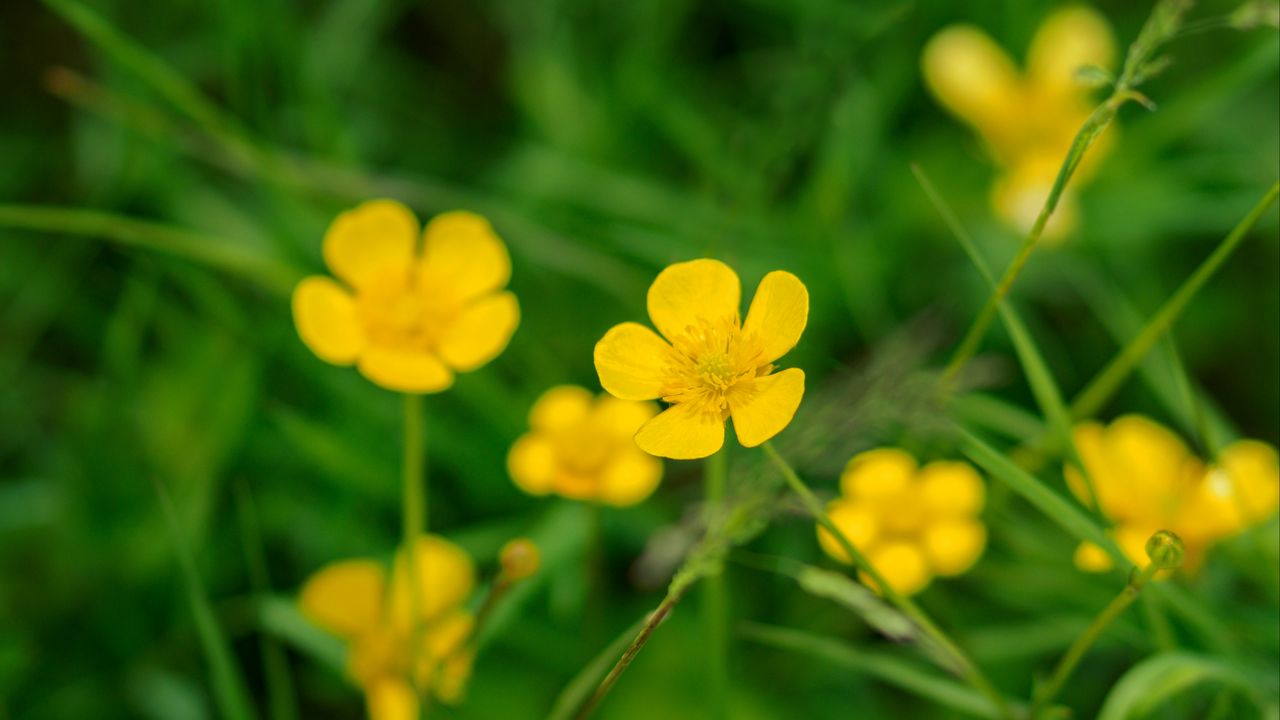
(1148, 480)
(707, 363)
(355, 600)
(911, 523)
(581, 447)
(408, 314)
(1029, 119)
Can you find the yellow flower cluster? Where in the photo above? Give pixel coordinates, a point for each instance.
(707, 363)
(354, 600)
(911, 523)
(1148, 480)
(581, 447)
(1027, 120)
(408, 317)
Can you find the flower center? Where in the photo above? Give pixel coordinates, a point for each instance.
(708, 361)
(398, 312)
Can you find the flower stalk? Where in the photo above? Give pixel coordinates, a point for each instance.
(642, 638)
(415, 510)
(1166, 553)
(715, 599)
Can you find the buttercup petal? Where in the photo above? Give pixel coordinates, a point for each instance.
(481, 332)
(764, 407)
(953, 546)
(391, 698)
(630, 478)
(877, 474)
(902, 565)
(532, 464)
(327, 321)
(1253, 471)
(561, 407)
(1092, 558)
(345, 598)
(371, 240)
(681, 433)
(951, 489)
(1067, 41)
(687, 292)
(447, 634)
(778, 314)
(856, 522)
(622, 418)
(453, 675)
(446, 576)
(629, 360)
(1150, 464)
(462, 253)
(977, 81)
(404, 371)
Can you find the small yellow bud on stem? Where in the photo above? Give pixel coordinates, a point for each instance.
(1165, 550)
(520, 559)
(1166, 553)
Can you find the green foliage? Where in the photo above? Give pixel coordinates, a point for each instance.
(169, 171)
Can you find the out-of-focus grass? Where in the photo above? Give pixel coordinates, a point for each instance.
(604, 140)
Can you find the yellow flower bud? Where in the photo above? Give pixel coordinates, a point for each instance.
(519, 558)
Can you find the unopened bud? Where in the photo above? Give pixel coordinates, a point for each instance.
(1165, 550)
(519, 558)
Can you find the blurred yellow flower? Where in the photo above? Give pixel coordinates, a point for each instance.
(580, 446)
(354, 600)
(711, 366)
(1029, 119)
(1148, 480)
(408, 315)
(910, 523)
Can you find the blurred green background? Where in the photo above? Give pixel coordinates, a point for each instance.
(604, 140)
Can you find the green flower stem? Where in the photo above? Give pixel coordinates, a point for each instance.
(1075, 653)
(714, 598)
(642, 638)
(965, 666)
(415, 510)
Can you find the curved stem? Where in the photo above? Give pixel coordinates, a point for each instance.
(655, 619)
(415, 508)
(964, 666)
(1076, 652)
(714, 597)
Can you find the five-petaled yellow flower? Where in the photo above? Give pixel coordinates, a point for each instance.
(411, 314)
(711, 366)
(581, 447)
(355, 600)
(910, 523)
(1148, 480)
(1027, 120)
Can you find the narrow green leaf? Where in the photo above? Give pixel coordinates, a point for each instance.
(1109, 380)
(857, 598)
(1048, 396)
(281, 699)
(175, 89)
(1065, 514)
(1155, 681)
(880, 665)
(997, 415)
(228, 683)
(209, 251)
(280, 617)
